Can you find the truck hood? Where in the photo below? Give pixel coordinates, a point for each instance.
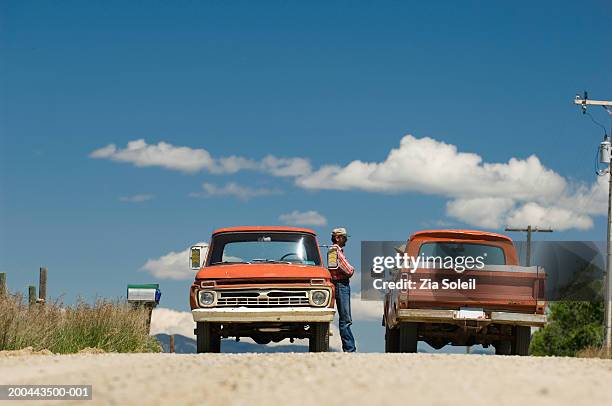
(262, 271)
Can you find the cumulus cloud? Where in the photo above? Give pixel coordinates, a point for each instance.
(136, 198)
(305, 218)
(429, 166)
(192, 160)
(483, 194)
(235, 190)
(168, 321)
(365, 309)
(479, 193)
(486, 212)
(556, 217)
(165, 155)
(286, 166)
(173, 265)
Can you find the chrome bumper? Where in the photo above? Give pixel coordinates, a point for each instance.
(452, 316)
(251, 315)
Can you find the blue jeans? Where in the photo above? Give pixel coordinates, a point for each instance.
(343, 304)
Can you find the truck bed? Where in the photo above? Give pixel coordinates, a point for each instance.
(497, 288)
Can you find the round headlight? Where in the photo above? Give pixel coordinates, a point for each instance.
(207, 298)
(319, 297)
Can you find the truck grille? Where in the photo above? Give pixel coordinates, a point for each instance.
(262, 298)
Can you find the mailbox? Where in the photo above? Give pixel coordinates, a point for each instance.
(144, 293)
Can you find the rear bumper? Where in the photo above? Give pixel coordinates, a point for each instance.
(253, 315)
(452, 316)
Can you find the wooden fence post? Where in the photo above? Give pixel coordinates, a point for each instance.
(3, 289)
(32, 295)
(42, 285)
(172, 343)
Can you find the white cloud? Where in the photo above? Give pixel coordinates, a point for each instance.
(429, 166)
(482, 194)
(306, 218)
(136, 198)
(168, 156)
(286, 166)
(365, 309)
(174, 265)
(235, 190)
(554, 217)
(170, 321)
(486, 212)
(191, 160)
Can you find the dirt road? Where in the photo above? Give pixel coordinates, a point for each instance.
(318, 379)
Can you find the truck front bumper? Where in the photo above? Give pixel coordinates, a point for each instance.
(452, 316)
(253, 315)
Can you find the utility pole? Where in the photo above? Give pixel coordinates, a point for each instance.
(529, 230)
(605, 156)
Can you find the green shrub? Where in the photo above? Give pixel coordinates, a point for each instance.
(573, 326)
(111, 326)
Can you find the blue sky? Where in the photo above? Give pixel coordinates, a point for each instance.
(329, 82)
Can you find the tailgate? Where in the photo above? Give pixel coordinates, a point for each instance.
(498, 287)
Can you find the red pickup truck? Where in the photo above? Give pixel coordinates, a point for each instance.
(266, 283)
(494, 305)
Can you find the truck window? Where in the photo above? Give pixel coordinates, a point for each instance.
(491, 254)
(264, 247)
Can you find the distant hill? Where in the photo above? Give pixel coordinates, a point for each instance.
(187, 345)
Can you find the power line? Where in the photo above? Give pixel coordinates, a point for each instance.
(605, 148)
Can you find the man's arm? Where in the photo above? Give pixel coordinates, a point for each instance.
(344, 265)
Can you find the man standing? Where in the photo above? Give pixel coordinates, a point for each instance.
(341, 271)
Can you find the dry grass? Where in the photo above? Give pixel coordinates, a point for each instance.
(594, 352)
(106, 325)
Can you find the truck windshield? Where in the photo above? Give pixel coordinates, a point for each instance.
(272, 247)
(491, 255)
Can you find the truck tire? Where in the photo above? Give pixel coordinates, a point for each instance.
(408, 337)
(391, 339)
(522, 339)
(503, 347)
(319, 338)
(207, 337)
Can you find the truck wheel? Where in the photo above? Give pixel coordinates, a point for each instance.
(408, 338)
(522, 339)
(319, 339)
(391, 339)
(208, 340)
(503, 347)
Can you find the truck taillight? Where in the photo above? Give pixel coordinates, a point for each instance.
(540, 306)
(405, 280)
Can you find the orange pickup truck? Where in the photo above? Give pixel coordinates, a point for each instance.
(496, 304)
(266, 283)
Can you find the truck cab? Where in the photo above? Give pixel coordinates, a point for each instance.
(497, 304)
(266, 283)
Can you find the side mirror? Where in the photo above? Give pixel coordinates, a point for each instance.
(332, 258)
(197, 256)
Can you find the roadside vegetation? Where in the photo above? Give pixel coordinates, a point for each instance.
(573, 327)
(111, 326)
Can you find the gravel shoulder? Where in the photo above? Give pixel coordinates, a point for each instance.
(329, 378)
